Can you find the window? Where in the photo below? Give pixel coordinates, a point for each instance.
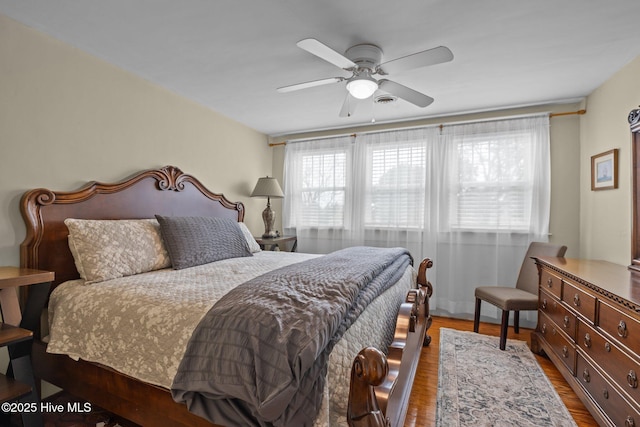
(488, 176)
(395, 186)
(317, 180)
(494, 182)
(323, 189)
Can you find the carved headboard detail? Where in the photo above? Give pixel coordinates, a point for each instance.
(165, 191)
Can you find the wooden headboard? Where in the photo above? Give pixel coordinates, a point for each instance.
(166, 191)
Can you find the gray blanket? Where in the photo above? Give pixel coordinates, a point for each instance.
(259, 356)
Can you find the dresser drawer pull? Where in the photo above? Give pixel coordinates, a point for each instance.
(553, 331)
(622, 329)
(544, 328)
(632, 379)
(586, 376)
(607, 347)
(565, 352)
(567, 321)
(587, 340)
(605, 393)
(576, 300)
(629, 422)
(544, 304)
(549, 282)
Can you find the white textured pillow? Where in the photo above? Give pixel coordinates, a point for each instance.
(106, 249)
(253, 245)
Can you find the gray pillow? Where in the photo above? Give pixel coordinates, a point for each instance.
(192, 241)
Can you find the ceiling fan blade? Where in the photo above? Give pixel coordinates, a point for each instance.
(433, 56)
(305, 85)
(323, 51)
(409, 95)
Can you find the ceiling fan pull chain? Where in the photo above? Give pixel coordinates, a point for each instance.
(373, 112)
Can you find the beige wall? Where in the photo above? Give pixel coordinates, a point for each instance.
(67, 117)
(565, 164)
(605, 228)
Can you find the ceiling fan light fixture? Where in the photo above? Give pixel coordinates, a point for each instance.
(362, 87)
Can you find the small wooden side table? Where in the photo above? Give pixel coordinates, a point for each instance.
(282, 242)
(16, 332)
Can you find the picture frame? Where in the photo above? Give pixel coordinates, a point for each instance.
(604, 170)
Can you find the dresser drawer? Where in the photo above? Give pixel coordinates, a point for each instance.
(622, 369)
(579, 300)
(561, 346)
(620, 326)
(551, 283)
(617, 408)
(557, 311)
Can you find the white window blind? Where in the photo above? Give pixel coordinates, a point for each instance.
(317, 178)
(495, 182)
(323, 189)
(394, 192)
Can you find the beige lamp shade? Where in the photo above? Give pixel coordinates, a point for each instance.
(268, 187)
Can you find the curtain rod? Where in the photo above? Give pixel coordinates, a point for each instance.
(275, 144)
(441, 126)
(568, 113)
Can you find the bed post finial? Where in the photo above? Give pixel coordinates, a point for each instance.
(369, 369)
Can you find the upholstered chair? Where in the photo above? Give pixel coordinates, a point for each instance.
(524, 296)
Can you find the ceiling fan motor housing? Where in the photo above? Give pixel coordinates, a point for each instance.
(365, 56)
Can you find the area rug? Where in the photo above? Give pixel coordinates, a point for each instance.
(480, 385)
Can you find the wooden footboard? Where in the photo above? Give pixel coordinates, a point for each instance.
(381, 386)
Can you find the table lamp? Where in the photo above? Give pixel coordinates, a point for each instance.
(268, 187)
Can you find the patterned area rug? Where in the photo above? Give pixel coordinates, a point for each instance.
(480, 385)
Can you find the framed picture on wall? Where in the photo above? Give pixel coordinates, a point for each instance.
(604, 170)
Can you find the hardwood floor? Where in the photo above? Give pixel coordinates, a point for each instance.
(422, 405)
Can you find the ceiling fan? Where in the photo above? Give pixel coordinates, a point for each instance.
(364, 61)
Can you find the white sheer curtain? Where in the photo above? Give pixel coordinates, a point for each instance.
(395, 173)
(469, 196)
(319, 192)
(494, 199)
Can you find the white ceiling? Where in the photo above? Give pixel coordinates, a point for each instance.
(231, 55)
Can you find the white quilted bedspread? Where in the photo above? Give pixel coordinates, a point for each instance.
(140, 325)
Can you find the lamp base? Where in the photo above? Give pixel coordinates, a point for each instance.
(269, 218)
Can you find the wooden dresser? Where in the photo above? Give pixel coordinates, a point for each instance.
(589, 326)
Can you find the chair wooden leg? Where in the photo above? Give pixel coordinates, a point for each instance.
(503, 329)
(516, 321)
(476, 316)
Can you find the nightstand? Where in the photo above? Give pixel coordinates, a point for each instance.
(281, 243)
(16, 332)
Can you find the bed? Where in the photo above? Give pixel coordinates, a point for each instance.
(378, 386)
